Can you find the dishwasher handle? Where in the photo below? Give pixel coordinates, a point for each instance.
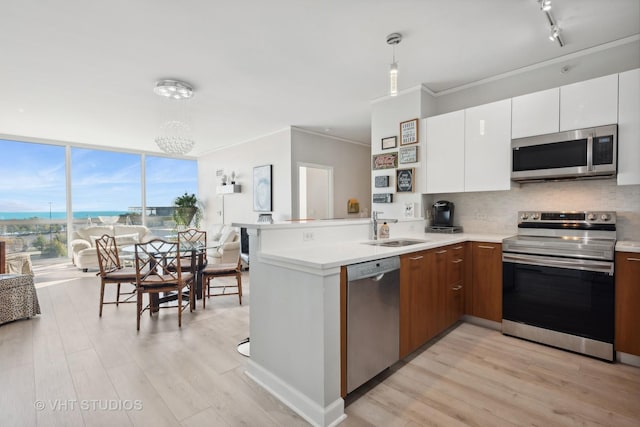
(372, 269)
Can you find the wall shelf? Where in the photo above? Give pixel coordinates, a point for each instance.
(228, 189)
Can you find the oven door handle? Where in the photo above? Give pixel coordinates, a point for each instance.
(573, 264)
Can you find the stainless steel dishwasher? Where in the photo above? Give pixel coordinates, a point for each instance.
(373, 319)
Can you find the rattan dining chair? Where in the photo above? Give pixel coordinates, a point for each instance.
(212, 271)
(111, 271)
(189, 237)
(155, 275)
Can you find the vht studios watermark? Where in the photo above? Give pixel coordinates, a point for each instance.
(88, 405)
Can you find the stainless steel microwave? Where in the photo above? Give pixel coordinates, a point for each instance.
(575, 154)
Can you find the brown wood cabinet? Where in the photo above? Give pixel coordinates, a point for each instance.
(486, 277)
(431, 294)
(627, 334)
(416, 301)
(455, 284)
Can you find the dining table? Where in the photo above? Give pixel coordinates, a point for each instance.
(197, 251)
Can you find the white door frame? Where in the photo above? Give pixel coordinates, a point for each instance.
(329, 169)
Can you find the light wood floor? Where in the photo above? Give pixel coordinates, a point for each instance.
(193, 376)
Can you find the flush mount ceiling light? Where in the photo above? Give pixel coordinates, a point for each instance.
(554, 35)
(393, 39)
(173, 89)
(175, 134)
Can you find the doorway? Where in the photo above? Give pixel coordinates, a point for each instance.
(315, 188)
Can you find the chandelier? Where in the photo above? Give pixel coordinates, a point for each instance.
(175, 136)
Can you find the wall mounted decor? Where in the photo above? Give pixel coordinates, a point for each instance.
(262, 194)
(382, 198)
(382, 181)
(405, 180)
(409, 132)
(389, 142)
(385, 161)
(408, 154)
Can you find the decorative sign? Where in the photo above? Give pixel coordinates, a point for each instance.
(389, 142)
(408, 154)
(382, 198)
(405, 180)
(409, 132)
(382, 181)
(409, 210)
(385, 161)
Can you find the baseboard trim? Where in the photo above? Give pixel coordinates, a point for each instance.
(316, 415)
(628, 359)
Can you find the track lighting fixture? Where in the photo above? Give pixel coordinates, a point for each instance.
(554, 35)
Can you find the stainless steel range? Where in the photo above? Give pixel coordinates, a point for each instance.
(558, 281)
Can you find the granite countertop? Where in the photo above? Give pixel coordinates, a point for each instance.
(329, 256)
(627, 246)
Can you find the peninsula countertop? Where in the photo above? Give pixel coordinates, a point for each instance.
(332, 255)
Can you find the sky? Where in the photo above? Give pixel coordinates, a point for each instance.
(34, 176)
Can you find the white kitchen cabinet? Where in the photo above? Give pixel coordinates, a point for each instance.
(589, 103)
(445, 153)
(536, 113)
(629, 128)
(487, 147)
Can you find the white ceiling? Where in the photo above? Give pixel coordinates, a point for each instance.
(83, 71)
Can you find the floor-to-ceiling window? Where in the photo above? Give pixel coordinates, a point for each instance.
(33, 213)
(39, 209)
(167, 179)
(105, 187)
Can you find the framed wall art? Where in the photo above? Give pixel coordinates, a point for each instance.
(385, 161)
(405, 180)
(382, 198)
(262, 194)
(389, 142)
(408, 154)
(409, 132)
(382, 181)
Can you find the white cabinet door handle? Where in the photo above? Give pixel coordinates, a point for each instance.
(457, 261)
(457, 288)
(416, 258)
(486, 247)
(442, 252)
(633, 259)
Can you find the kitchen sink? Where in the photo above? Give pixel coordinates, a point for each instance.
(395, 243)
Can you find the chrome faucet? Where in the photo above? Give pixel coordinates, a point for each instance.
(375, 218)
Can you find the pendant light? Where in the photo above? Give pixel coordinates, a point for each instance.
(393, 39)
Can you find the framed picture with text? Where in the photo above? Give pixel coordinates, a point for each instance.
(409, 132)
(389, 142)
(408, 154)
(405, 180)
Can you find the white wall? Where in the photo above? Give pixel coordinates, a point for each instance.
(597, 64)
(351, 169)
(386, 116)
(274, 149)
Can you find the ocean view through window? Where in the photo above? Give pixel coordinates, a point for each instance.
(37, 217)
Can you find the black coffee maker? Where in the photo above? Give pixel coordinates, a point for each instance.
(442, 218)
(442, 213)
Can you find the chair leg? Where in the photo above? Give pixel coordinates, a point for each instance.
(118, 295)
(179, 308)
(139, 305)
(239, 279)
(101, 296)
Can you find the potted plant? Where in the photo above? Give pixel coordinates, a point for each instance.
(186, 207)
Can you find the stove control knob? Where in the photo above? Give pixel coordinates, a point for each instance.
(605, 217)
(592, 217)
(524, 216)
(535, 216)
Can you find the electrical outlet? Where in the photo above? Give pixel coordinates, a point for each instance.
(307, 235)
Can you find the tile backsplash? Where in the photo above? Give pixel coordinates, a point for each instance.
(496, 211)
